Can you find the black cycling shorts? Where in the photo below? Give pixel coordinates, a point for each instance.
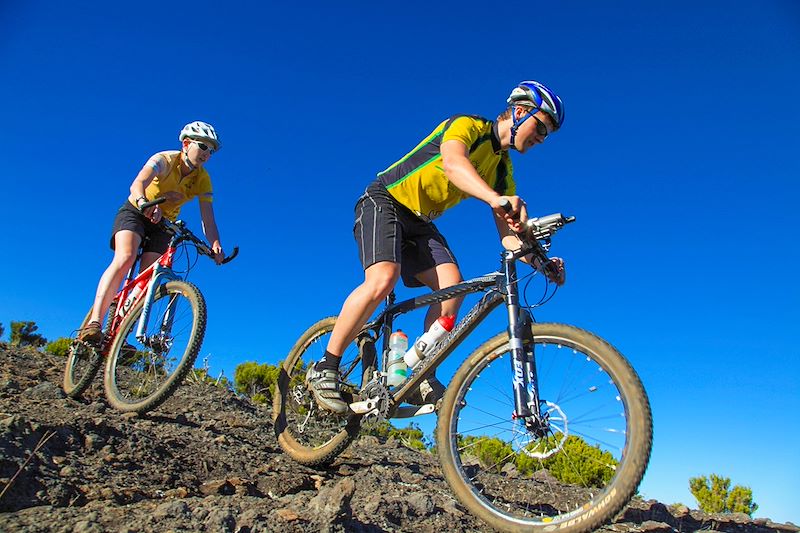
(385, 230)
(155, 237)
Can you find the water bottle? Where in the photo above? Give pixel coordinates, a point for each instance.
(396, 369)
(423, 345)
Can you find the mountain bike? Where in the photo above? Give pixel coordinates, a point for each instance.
(153, 331)
(544, 426)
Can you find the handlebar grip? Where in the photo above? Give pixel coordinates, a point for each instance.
(151, 203)
(505, 204)
(230, 257)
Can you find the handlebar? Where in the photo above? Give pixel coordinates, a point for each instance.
(179, 228)
(540, 228)
(535, 238)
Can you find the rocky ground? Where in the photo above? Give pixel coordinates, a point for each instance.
(207, 461)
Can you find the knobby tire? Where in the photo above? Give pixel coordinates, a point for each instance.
(186, 353)
(334, 433)
(82, 365)
(470, 422)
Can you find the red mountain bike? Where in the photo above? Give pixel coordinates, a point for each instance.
(153, 332)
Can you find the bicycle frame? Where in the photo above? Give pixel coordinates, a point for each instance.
(154, 275)
(502, 287)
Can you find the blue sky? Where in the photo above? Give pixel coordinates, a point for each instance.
(678, 157)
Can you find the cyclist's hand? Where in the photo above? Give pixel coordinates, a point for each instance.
(514, 218)
(219, 254)
(555, 270)
(153, 213)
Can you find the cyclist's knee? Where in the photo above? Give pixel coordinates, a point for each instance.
(381, 278)
(123, 260)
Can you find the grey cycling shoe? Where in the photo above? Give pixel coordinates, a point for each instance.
(325, 385)
(430, 391)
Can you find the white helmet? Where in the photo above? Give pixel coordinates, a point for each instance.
(201, 131)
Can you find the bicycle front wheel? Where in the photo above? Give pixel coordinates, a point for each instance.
(575, 470)
(142, 372)
(83, 362)
(308, 434)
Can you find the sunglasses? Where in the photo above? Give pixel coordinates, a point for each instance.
(204, 147)
(541, 127)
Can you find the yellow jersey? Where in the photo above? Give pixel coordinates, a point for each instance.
(176, 189)
(418, 181)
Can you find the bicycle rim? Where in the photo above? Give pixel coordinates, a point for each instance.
(141, 373)
(582, 469)
(83, 362)
(307, 433)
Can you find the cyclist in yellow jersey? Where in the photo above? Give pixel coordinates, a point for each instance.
(465, 156)
(177, 175)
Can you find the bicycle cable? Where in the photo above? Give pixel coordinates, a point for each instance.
(183, 251)
(545, 296)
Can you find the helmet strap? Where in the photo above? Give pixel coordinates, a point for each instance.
(186, 157)
(517, 123)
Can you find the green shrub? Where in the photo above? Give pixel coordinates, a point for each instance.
(411, 436)
(259, 398)
(59, 346)
(577, 463)
(714, 495)
(581, 464)
(251, 378)
(491, 452)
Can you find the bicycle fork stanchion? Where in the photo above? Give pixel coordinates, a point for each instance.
(526, 334)
(521, 365)
(160, 275)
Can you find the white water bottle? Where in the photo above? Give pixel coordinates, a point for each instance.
(396, 368)
(126, 305)
(423, 345)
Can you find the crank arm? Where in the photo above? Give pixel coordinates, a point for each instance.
(364, 406)
(410, 411)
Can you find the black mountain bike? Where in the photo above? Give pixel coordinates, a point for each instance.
(543, 427)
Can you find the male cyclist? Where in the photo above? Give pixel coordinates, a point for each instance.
(177, 175)
(464, 156)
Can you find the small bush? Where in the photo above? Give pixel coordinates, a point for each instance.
(714, 495)
(59, 346)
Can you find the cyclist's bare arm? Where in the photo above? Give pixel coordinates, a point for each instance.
(155, 166)
(210, 230)
(460, 172)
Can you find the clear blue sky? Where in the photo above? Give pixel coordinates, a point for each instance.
(679, 157)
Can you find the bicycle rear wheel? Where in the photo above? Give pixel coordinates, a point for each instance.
(141, 373)
(577, 473)
(308, 434)
(83, 362)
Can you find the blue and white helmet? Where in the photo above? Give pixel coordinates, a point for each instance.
(536, 95)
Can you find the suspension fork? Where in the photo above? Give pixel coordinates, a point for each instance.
(520, 340)
(161, 275)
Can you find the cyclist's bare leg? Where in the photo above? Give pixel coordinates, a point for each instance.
(147, 259)
(379, 280)
(441, 277)
(438, 277)
(126, 246)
